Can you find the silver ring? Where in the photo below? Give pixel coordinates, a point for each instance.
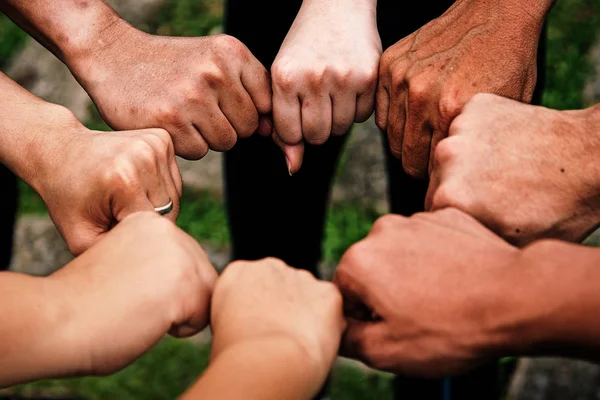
(165, 209)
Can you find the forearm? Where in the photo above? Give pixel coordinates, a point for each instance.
(67, 28)
(555, 302)
(261, 369)
(30, 130)
(33, 339)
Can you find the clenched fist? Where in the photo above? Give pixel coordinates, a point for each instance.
(427, 295)
(325, 74)
(91, 180)
(145, 279)
(526, 172)
(206, 92)
(427, 77)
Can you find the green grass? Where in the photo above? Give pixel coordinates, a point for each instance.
(12, 38)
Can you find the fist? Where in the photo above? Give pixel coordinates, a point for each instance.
(427, 77)
(206, 92)
(526, 172)
(144, 279)
(267, 297)
(325, 74)
(91, 180)
(420, 294)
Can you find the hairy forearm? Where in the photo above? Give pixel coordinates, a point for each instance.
(262, 369)
(33, 341)
(67, 28)
(555, 302)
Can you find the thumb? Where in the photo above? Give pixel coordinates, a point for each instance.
(293, 153)
(364, 341)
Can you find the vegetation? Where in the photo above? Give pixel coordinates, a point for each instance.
(172, 365)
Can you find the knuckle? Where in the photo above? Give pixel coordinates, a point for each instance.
(386, 222)
(143, 150)
(418, 90)
(449, 108)
(315, 79)
(214, 76)
(446, 151)
(168, 114)
(121, 174)
(231, 43)
(284, 77)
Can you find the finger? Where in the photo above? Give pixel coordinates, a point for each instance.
(316, 118)
(364, 106)
(166, 165)
(293, 154)
(265, 125)
(418, 133)
(434, 181)
(396, 122)
(363, 341)
(257, 82)
(188, 142)
(343, 113)
(215, 128)
(287, 118)
(437, 137)
(238, 107)
(382, 104)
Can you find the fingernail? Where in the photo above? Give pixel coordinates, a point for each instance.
(289, 166)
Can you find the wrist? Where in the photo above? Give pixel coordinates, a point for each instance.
(45, 141)
(82, 54)
(550, 306)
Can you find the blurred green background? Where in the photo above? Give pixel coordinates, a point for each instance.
(168, 369)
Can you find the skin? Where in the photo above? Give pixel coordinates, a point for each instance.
(276, 333)
(539, 168)
(88, 319)
(110, 174)
(438, 304)
(426, 78)
(206, 91)
(325, 74)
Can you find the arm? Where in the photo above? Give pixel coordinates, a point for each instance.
(107, 307)
(540, 167)
(89, 180)
(276, 334)
(325, 74)
(476, 46)
(559, 303)
(34, 340)
(66, 27)
(271, 367)
(490, 299)
(205, 91)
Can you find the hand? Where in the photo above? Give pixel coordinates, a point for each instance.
(325, 74)
(427, 77)
(206, 91)
(267, 298)
(91, 180)
(144, 279)
(526, 172)
(433, 284)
